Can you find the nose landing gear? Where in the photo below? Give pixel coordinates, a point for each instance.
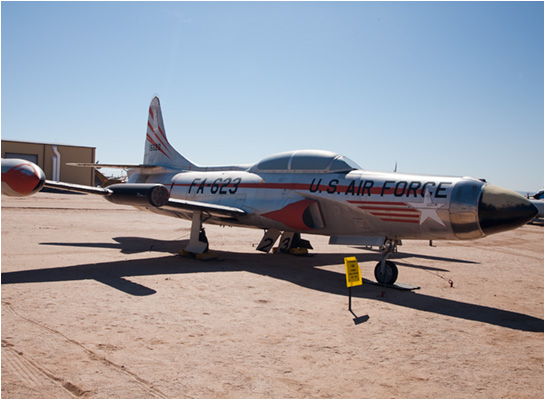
(386, 271)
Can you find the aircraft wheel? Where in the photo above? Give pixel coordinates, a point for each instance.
(388, 275)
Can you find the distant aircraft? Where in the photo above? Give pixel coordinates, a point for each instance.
(538, 195)
(105, 181)
(537, 200)
(309, 192)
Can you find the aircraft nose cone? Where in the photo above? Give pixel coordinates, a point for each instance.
(502, 209)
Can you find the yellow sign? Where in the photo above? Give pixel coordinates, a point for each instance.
(353, 272)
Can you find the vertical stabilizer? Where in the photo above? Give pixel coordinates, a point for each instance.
(158, 150)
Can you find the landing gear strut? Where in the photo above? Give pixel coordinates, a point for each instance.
(198, 243)
(386, 271)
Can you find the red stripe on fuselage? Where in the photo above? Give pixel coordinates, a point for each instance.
(289, 186)
(321, 189)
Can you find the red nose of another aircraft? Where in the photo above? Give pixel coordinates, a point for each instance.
(21, 178)
(502, 209)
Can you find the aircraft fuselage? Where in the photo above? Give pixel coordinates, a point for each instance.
(356, 203)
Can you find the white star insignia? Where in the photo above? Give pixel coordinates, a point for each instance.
(428, 209)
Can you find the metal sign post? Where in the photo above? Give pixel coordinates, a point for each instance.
(353, 277)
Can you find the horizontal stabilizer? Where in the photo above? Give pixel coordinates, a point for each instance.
(142, 168)
(120, 166)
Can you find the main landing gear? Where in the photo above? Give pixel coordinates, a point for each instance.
(386, 271)
(198, 243)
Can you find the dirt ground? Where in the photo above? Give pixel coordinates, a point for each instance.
(96, 303)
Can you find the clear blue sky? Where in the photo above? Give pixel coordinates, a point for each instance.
(441, 88)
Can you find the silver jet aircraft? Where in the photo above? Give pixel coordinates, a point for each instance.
(309, 192)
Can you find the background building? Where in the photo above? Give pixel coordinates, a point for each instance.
(52, 158)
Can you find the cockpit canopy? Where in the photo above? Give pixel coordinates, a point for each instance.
(306, 161)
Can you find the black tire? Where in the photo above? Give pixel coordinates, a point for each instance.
(390, 273)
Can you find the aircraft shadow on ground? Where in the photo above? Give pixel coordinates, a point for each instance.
(303, 273)
(130, 245)
(133, 245)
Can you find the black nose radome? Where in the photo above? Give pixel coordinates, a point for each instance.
(502, 209)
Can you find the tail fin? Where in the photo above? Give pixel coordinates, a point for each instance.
(158, 150)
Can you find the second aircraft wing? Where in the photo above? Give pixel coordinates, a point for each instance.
(148, 195)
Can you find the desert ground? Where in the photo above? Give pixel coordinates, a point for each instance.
(97, 303)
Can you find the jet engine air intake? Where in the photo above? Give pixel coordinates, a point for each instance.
(302, 215)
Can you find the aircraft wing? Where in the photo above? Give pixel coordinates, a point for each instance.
(146, 195)
(212, 209)
(72, 187)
